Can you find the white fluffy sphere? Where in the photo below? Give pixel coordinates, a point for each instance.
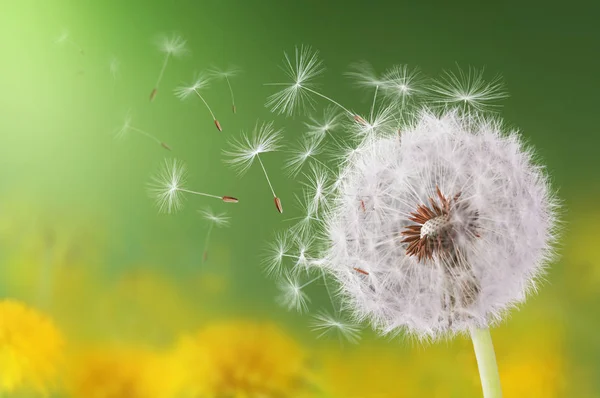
(440, 229)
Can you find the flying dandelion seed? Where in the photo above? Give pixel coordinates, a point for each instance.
(214, 220)
(65, 38)
(467, 91)
(432, 220)
(227, 74)
(305, 150)
(325, 323)
(173, 46)
(264, 138)
(168, 188)
(363, 75)
(298, 94)
(320, 127)
(200, 82)
(291, 294)
(126, 128)
(114, 66)
(277, 251)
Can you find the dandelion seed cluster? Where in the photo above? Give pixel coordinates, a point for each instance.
(430, 217)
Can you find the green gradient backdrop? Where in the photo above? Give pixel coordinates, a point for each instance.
(58, 110)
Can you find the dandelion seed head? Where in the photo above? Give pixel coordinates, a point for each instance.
(166, 187)
(200, 82)
(467, 91)
(264, 138)
(325, 323)
(301, 70)
(173, 45)
(452, 225)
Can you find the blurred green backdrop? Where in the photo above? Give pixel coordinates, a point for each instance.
(74, 198)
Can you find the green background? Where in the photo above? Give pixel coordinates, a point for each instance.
(61, 169)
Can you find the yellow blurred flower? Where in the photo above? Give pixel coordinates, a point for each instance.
(31, 348)
(242, 360)
(112, 372)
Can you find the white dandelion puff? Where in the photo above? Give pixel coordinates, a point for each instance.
(263, 139)
(126, 128)
(325, 324)
(467, 91)
(218, 220)
(170, 46)
(200, 82)
(227, 74)
(318, 186)
(168, 188)
(459, 227)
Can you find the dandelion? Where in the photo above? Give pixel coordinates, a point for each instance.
(214, 220)
(171, 46)
(168, 187)
(264, 138)
(200, 82)
(296, 95)
(240, 358)
(436, 231)
(31, 349)
(65, 38)
(276, 252)
(226, 74)
(467, 90)
(127, 128)
(325, 323)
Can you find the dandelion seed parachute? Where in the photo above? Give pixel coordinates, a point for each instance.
(200, 82)
(127, 127)
(168, 187)
(171, 46)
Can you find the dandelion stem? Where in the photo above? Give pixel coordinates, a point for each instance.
(329, 99)
(162, 70)
(206, 241)
(200, 193)
(146, 134)
(374, 100)
(230, 91)
(309, 282)
(265, 171)
(206, 103)
(486, 361)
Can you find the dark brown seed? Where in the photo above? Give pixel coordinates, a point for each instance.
(361, 271)
(165, 146)
(218, 125)
(229, 199)
(153, 94)
(360, 120)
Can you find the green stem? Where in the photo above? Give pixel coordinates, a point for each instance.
(486, 361)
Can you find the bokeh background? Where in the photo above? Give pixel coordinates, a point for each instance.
(82, 244)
